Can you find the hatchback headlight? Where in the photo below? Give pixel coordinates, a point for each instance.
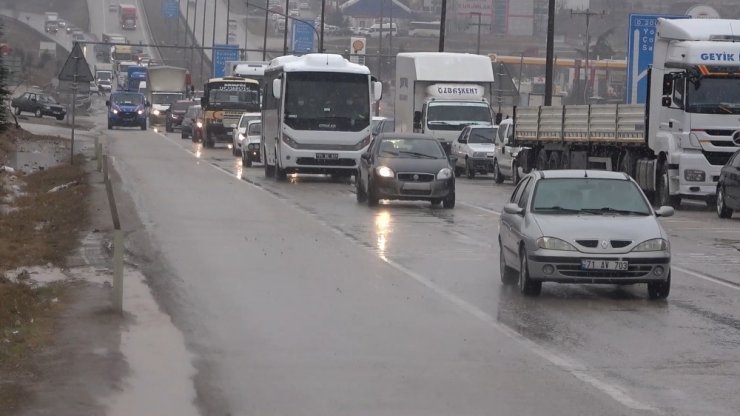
(445, 173)
(384, 172)
(114, 111)
(552, 243)
(656, 244)
(199, 124)
(155, 112)
(140, 112)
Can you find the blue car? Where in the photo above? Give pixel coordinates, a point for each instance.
(127, 109)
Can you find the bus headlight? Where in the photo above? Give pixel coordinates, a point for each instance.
(362, 143)
(289, 141)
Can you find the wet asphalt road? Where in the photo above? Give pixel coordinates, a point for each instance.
(297, 300)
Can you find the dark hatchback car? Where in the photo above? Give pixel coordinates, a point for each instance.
(728, 187)
(176, 114)
(406, 167)
(192, 123)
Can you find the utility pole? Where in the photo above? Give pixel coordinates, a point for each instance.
(285, 31)
(550, 52)
(390, 39)
(213, 34)
(588, 13)
(323, 12)
(380, 42)
(443, 25)
(477, 49)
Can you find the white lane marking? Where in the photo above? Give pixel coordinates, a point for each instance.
(569, 365)
(720, 282)
(490, 211)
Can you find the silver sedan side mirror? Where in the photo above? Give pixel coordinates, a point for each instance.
(512, 208)
(665, 211)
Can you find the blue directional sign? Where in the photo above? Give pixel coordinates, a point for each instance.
(302, 38)
(640, 53)
(170, 9)
(221, 54)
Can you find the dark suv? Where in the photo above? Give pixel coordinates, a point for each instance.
(39, 104)
(175, 114)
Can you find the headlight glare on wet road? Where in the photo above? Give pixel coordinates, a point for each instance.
(384, 172)
(445, 173)
(656, 244)
(552, 243)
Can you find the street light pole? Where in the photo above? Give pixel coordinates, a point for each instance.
(264, 39)
(321, 39)
(477, 49)
(246, 30)
(285, 29)
(550, 51)
(228, 21)
(213, 33)
(316, 32)
(203, 42)
(443, 25)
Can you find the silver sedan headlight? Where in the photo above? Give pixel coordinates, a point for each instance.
(552, 243)
(656, 244)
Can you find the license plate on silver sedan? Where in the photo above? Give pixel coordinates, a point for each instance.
(331, 156)
(604, 265)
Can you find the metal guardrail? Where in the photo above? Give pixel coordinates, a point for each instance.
(598, 123)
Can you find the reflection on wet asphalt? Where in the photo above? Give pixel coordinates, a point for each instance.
(652, 348)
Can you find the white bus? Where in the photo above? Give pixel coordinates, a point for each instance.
(316, 114)
(424, 29)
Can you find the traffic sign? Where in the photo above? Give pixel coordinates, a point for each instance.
(76, 69)
(302, 39)
(640, 53)
(221, 54)
(170, 9)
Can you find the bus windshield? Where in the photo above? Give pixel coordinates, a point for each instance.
(327, 101)
(714, 96)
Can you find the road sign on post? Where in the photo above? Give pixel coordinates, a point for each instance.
(170, 9)
(640, 53)
(75, 70)
(302, 39)
(221, 54)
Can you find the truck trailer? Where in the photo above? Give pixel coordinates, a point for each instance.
(166, 85)
(440, 93)
(676, 144)
(127, 16)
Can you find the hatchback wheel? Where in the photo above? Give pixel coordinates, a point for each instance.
(372, 195)
(449, 201)
(508, 275)
(497, 177)
(660, 290)
(38, 113)
(360, 190)
(722, 210)
(469, 171)
(527, 286)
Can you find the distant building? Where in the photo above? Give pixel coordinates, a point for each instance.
(365, 13)
(508, 17)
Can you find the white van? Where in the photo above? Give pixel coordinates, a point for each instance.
(388, 30)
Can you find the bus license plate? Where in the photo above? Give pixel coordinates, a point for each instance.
(330, 156)
(604, 265)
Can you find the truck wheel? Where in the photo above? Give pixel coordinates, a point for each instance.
(280, 174)
(469, 171)
(497, 177)
(662, 191)
(37, 113)
(541, 160)
(268, 167)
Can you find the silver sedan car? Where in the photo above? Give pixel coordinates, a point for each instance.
(583, 226)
